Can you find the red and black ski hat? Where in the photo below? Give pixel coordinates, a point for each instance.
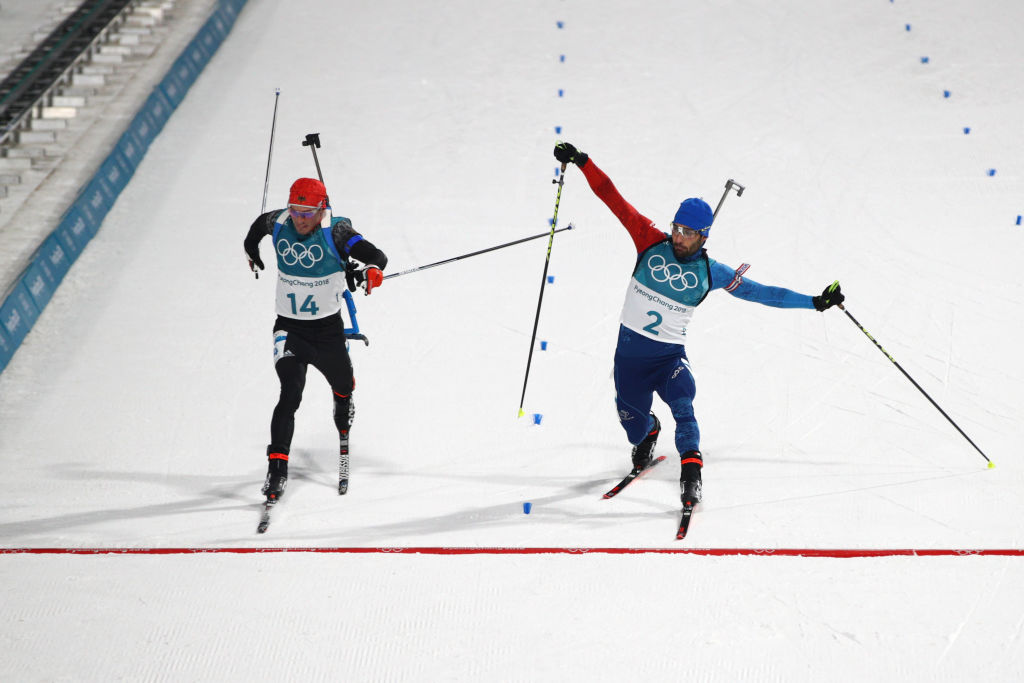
(308, 192)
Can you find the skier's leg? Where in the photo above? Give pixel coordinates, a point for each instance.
(633, 399)
(333, 361)
(679, 391)
(291, 372)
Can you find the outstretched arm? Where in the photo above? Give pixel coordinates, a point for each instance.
(640, 228)
(778, 297)
(724, 277)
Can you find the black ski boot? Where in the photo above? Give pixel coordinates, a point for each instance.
(689, 479)
(277, 474)
(644, 451)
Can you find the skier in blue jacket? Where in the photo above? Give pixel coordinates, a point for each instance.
(672, 276)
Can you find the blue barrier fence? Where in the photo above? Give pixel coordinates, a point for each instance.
(22, 305)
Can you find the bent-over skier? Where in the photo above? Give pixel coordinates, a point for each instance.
(313, 250)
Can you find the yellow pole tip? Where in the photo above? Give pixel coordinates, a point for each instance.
(991, 465)
(521, 413)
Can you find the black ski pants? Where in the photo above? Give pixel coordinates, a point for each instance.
(295, 349)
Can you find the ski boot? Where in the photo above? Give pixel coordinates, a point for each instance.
(277, 474)
(689, 479)
(644, 451)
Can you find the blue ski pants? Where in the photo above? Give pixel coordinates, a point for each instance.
(643, 368)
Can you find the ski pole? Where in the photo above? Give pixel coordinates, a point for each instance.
(544, 278)
(905, 374)
(475, 253)
(729, 184)
(270, 154)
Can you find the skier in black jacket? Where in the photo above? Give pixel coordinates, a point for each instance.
(313, 251)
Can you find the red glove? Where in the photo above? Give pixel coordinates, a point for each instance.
(373, 278)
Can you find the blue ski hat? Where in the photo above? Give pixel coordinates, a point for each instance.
(695, 214)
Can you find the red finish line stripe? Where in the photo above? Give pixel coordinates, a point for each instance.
(763, 552)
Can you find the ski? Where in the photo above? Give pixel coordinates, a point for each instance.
(684, 523)
(343, 465)
(265, 518)
(634, 473)
(343, 452)
(343, 473)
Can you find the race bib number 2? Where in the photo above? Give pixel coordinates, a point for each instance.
(653, 327)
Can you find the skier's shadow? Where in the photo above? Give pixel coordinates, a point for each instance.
(504, 514)
(226, 495)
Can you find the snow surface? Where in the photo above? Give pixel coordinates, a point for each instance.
(136, 413)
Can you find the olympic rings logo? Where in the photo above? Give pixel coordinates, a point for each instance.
(307, 257)
(672, 273)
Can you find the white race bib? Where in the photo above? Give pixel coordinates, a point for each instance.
(656, 317)
(309, 298)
